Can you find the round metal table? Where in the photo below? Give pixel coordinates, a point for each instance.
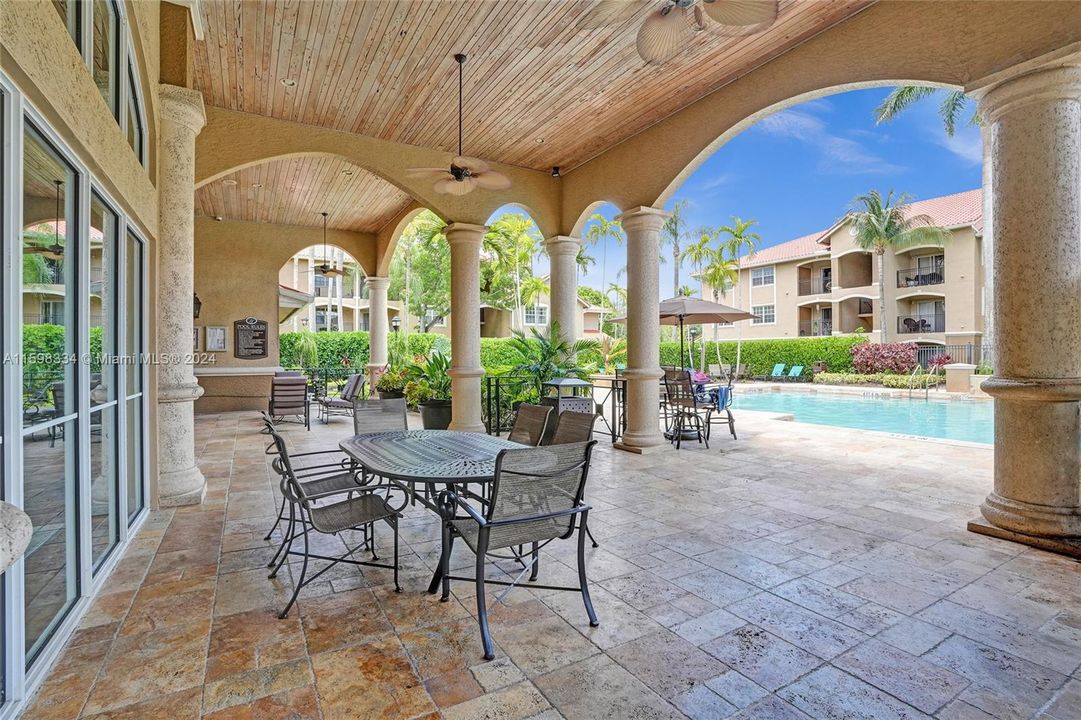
(433, 457)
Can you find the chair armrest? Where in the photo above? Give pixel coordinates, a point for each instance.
(468, 508)
(533, 518)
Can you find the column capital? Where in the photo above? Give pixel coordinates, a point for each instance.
(1052, 84)
(464, 233)
(377, 283)
(563, 245)
(643, 218)
(183, 106)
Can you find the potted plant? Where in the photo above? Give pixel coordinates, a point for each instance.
(546, 356)
(391, 384)
(428, 388)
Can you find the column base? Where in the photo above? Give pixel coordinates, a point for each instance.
(189, 478)
(473, 428)
(643, 449)
(1070, 547)
(1029, 519)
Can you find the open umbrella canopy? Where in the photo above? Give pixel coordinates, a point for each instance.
(685, 310)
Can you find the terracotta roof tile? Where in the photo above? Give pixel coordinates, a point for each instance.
(957, 210)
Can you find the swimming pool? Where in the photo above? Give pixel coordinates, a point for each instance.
(970, 420)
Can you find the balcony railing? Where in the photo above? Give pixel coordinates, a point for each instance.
(814, 286)
(918, 277)
(926, 323)
(815, 328)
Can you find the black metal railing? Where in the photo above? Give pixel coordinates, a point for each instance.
(815, 328)
(921, 323)
(918, 277)
(972, 354)
(815, 285)
(499, 393)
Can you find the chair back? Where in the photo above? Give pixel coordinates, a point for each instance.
(530, 424)
(353, 385)
(778, 370)
(288, 392)
(678, 388)
(284, 467)
(715, 370)
(573, 427)
(371, 416)
(539, 487)
(796, 371)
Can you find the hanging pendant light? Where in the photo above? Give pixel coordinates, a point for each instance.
(325, 268)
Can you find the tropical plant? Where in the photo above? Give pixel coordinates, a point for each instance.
(547, 355)
(307, 349)
(951, 104)
(673, 234)
(685, 291)
(391, 381)
(885, 223)
(611, 350)
(897, 357)
(429, 377)
(533, 287)
(601, 230)
(740, 239)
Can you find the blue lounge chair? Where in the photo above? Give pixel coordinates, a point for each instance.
(795, 373)
(778, 372)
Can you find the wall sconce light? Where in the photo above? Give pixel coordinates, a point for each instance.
(196, 305)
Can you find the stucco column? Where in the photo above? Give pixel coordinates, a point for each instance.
(465, 371)
(180, 482)
(377, 327)
(563, 282)
(1035, 130)
(643, 228)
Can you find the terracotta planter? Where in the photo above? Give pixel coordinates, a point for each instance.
(435, 414)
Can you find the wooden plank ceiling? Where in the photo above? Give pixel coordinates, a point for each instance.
(539, 72)
(293, 191)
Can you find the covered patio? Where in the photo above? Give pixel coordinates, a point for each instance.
(729, 583)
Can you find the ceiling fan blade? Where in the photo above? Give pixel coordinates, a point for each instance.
(492, 180)
(432, 174)
(450, 186)
(475, 166)
(664, 34)
(741, 13)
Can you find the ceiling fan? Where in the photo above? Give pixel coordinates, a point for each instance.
(465, 173)
(668, 29)
(56, 250)
(325, 268)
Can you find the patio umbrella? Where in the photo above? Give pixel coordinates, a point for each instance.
(696, 311)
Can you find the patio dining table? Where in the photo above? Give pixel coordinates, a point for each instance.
(435, 458)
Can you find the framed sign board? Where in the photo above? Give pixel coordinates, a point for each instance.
(215, 338)
(250, 339)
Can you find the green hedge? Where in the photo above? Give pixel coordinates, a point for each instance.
(890, 380)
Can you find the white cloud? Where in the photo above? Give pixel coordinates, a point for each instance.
(965, 144)
(838, 155)
(716, 182)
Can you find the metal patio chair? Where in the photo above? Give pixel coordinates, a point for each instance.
(289, 397)
(343, 405)
(329, 512)
(574, 427)
(323, 470)
(536, 498)
(684, 407)
(530, 424)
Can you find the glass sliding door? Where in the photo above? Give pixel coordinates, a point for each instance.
(134, 368)
(102, 299)
(49, 266)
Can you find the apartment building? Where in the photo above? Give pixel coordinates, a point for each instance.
(310, 299)
(824, 284)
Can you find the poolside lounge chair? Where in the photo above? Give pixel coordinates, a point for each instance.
(777, 374)
(342, 405)
(794, 374)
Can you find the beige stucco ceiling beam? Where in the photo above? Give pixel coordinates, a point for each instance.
(234, 140)
(944, 43)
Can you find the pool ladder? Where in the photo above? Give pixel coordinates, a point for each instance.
(918, 375)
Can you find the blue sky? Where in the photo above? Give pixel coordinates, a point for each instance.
(797, 170)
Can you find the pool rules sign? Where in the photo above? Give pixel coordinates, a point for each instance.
(250, 339)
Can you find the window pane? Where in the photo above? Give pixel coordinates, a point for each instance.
(105, 53)
(48, 279)
(133, 328)
(50, 569)
(103, 302)
(134, 443)
(104, 483)
(135, 120)
(69, 13)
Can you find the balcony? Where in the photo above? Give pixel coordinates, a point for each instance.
(926, 323)
(815, 328)
(814, 286)
(918, 277)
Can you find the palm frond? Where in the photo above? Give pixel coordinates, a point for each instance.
(899, 99)
(950, 109)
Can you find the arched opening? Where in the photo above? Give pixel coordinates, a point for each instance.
(322, 288)
(602, 282)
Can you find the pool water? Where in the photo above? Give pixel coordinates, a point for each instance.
(970, 420)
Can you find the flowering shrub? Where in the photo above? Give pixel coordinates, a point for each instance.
(884, 357)
(938, 362)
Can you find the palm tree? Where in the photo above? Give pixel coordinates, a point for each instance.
(952, 103)
(721, 274)
(673, 234)
(884, 223)
(584, 261)
(740, 239)
(685, 291)
(617, 295)
(532, 288)
(701, 252)
(601, 231)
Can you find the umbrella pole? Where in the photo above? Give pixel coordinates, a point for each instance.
(681, 357)
(739, 349)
